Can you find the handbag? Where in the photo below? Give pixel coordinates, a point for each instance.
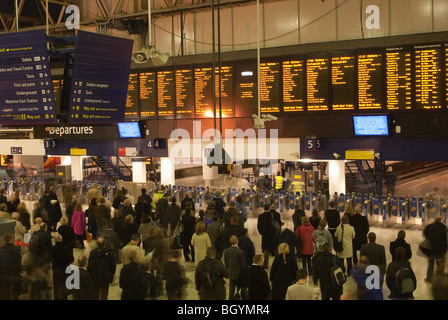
(339, 245)
(425, 248)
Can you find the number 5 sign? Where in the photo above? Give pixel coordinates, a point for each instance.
(313, 144)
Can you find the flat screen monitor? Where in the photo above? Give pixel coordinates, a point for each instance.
(371, 125)
(129, 130)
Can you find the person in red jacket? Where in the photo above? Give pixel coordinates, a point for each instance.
(305, 232)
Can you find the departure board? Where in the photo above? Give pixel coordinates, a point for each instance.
(246, 86)
(398, 79)
(225, 91)
(270, 87)
(100, 79)
(343, 82)
(165, 93)
(429, 77)
(293, 86)
(57, 92)
(203, 77)
(184, 93)
(370, 81)
(148, 95)
(26, 87)
(132, 102)
(317, 73)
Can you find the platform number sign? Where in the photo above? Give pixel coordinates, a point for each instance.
(313, 144)
(50, 144)
(157, 144)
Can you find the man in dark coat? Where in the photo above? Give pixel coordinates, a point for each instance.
(86, 289)
(234, 261)
(361, 225)
(267, 233)
(401, 242)
(102, 266)
(56, 211)
(321, 272)
(219, 204)
(376, 254)
(11, 265)
(391, 276)
(61, 257)
(436, 233)
(257, 279)
(333, 218)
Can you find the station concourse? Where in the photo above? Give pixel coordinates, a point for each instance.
(344, 100)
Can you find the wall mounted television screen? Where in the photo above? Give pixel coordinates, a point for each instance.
(371, 125)
(129, 130)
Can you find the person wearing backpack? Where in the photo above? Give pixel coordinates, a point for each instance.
(320, 237)
(324, 266)
(400, 278)
(209, 277)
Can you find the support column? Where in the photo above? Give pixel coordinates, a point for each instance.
(139, 170)
(209, 174)
(76, 165)
(336, 174)
(167, 174)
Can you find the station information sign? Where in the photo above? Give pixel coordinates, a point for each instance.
(184, 83)
(132, 103)
(343, 82)
(398, 79)
(429, 77)
(165, 93)
(100, 79)
(293, 86)
(270, 76)
(26, 86)
(370, 81)
(148, 95)
(318, 70)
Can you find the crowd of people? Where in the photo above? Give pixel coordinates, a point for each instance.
(150, 236)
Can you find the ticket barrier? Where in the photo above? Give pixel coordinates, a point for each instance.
(341, 203)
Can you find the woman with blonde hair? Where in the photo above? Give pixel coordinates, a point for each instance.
(283, 272)
(201, 242)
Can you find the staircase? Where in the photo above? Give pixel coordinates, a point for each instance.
(110, 170)
(361, 177)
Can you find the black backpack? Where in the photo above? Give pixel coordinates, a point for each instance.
(404, 280)
(337, 275)
(207, 274)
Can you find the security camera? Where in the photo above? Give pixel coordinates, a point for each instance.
(270, 117)
(336, 155)
(142, 56)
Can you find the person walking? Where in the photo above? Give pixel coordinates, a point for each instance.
(256, 280)
(345, 233)
(300, 290)
(436, 234)
(79, 224)
(306, 231)
(376, 254)
(267, 233)
(283, 272)
(188, 221)
(200, 241)
(400, 278)
(322, 274)
(401, 242)
(362, 228)
(102, 267)
(234, 261)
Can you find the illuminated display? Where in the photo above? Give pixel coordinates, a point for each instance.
(184, 93)
(148, 96)
(57, 90)
(317, 84)
(203, 91)
(398, 80)
(270, 87)
(226, 90)
(165, 93)
(369, 81)
(343, 83)
(293, 86)
(132, 97)
(428, 77)
(246, 95)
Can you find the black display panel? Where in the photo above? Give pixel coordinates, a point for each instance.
(203, 78)
(57, 92)
(165, 93)
(246, 89)
(398, 79)
(148, 95)
(317, 82)
(100, 78)
(293, 86)
(270, 79)
(184, 93)
(226, 91)
(132, 98)
(343, 79)
(370, 81)
(26, 87)
(429, 75)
